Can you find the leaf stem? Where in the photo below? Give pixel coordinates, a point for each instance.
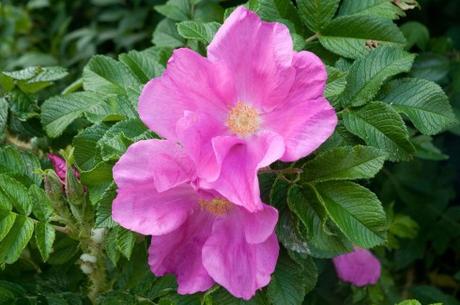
(311, 38)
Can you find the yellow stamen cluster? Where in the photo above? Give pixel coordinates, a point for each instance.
(243, 119)
(216, 206)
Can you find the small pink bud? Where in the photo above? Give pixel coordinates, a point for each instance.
(359, 267)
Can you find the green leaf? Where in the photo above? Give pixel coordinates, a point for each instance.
(344, 163)
(277, 10)
(222, 297)
(382, 127)
(146, 64)
(165, 35)
(3, 117)
(423, 102)
(367, 74)
(348, 36)
(323, 238)
(125, 241)
(105, 75)
(203, 32)
(355, 210)
(122, 134)
(13, 194)
(336, 82)
(42, 208)
(416, 34)
(425, 149)
(379, 8)
(7, 219)
(317, 13)
(20, 165)
(104, 209)
(16, 240)
(410, 302)
(290, 281)
(434, 67)
(59, 111)
(44, 238)
(87, 153)
(177, 10)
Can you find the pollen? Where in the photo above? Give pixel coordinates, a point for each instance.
(243, 119)
(216, 206)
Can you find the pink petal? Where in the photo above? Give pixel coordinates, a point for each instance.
(240, 159)
(359, 267)
(259, 54)
(179, 253)
(190, 83)
(59, 166)
(304, 126)
(237, 265)
(159, 164)
(143, 210)
(260, 225)
(195, 132)
(310, 78)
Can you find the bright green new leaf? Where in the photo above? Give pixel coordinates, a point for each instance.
(382, 127)
(354, 36)
(423, 102)
(367, 74)
(14, 194)
(344, 163)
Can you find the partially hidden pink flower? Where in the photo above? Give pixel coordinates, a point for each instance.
(253, 100)
(359, 267)
(198, 235)
(60, 167)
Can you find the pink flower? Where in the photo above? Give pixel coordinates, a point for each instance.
(197, 234)
(359, 267)
(252, 101)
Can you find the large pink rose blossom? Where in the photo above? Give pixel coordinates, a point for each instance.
(359, 267)
(251, 101)
(197, 234)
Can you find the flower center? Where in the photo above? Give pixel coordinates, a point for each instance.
(243, 119)
(216, 206)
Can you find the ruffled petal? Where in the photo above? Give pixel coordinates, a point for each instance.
(160, 164)
(237, 265)
(180, 253)
(239, 160)
(259, 54)
(189, 83)
(359, 267)
(310, 79)
(195, 132)
(306, 119)
(145, 211)
(260, 225)
(304, 126)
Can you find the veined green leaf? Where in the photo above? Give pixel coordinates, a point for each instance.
(317, 13)
(380, 8)
(382, 127)
(20, 165)
(423, 102)
(16, 240)
(14, 194)
(344, 163)
(201, 31)
(44, 238)
(367, 74)
(355, 210)
(350, 36)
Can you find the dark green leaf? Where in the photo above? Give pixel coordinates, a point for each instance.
(317, 13)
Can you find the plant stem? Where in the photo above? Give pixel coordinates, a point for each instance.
(311, 38)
